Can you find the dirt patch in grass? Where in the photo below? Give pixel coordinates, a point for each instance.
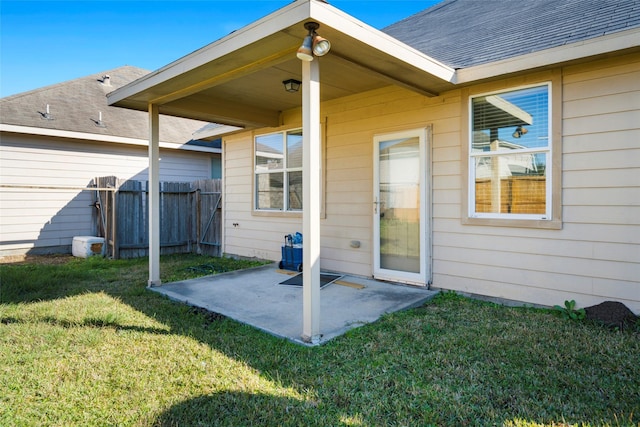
(36, 259)
(612, 314)
(209, 316)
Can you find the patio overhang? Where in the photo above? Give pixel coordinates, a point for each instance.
(237, 80)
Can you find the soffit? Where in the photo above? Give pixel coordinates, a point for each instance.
(238, 80)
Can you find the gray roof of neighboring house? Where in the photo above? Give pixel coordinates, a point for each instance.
(464, 33)
(75, 106)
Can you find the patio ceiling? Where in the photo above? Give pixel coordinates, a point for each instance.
(238, 80)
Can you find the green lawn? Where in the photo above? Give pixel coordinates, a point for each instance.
(83, 343)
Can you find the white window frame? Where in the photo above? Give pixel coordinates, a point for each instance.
(548, 151)
(285, 170)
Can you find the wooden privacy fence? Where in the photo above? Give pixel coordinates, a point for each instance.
(190, 217)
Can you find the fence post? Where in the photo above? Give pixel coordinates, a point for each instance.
(198, 220)
(114, 222)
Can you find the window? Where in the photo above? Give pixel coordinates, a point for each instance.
(278, 171)
(510, 149)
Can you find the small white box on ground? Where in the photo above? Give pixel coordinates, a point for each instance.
(86, 246)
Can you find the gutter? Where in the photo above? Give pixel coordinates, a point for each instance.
(27, 130)
(619, 41)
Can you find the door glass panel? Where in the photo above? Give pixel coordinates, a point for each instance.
(399, 204)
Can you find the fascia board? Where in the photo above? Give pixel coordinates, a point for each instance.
(56, 133)
(383, 42)
(222, 130)
(571, 52)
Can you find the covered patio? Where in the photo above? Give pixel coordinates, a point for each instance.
(237, 82)
(256, 297)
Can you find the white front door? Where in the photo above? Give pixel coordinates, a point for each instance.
(400, 207)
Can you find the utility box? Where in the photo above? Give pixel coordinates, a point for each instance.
(86, 246)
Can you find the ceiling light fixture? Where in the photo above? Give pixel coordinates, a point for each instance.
(313, 44)
(292, 85)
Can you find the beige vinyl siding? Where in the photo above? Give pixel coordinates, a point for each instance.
(253, 236)
(47, 219)
(349, 125)
(350, 131)
(596, 254)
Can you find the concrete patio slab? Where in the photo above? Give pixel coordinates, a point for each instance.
(256, 298)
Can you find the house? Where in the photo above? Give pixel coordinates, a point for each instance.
(55, 140)
(473, 147)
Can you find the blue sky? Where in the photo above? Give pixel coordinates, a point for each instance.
(48, 42)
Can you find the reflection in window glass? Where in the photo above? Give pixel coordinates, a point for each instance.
(511, 120)
(510, 150)
(269, 189)
(511, 184)
(278, 171)
(295, 190)
(294, 149)
(269, 152)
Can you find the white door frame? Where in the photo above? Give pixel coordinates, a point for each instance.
(422, 278)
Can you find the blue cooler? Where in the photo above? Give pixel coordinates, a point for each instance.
(292, 252)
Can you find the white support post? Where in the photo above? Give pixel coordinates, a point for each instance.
(154, 196)
(311, 166)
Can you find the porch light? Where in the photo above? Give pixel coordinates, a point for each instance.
(519, 132)
(321, 46)
(291, 85)
(313, 44)
(305, 52)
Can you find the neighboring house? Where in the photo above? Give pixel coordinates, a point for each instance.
(480, 147)
(55, 140)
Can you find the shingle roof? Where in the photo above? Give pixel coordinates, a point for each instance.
(76, 105)
(463, 33)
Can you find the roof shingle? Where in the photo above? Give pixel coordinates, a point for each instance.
(464, 33)
(76, 106)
